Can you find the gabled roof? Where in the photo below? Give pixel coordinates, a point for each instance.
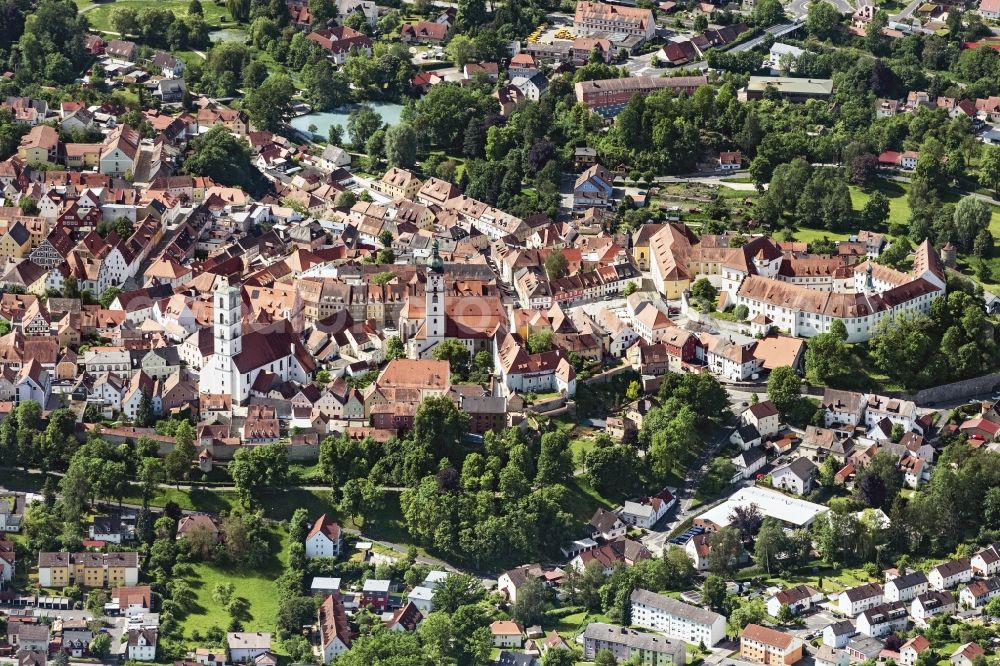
(327, 527)
(408, 617)
(333, 622)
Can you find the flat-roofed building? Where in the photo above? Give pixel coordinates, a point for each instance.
(790, 88)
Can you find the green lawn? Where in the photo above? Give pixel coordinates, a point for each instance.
(191, 500)
(580, 446)
(899, 210)
(257, 587)
(809, 235)
(571, 625)
(99, 15)
(310, 474)
(582, 500)
(827, 579)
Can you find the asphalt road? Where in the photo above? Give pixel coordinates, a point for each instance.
(656, 539)
(907, 10)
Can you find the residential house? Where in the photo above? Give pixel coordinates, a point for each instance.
(842, 407)
(647, 511)
(698, 550)
(911, 650)
(8, 561)
(424, 32)
(969, 654)
(120, 151)
(855, 600)
(828, 656)
(31, 657)
(796, 477)
(506, 634)
(398, 182)
(324, 539)
(886, 108)
(40, 144)
(620, 551)
(606, 525)
(650, 323)
(799, 599)
(141, 644)
(593, 188)
(986, 562)
(195, 525)
(764, 645)
(325, 585)
(746, 437)
(16, 241)
(334, 629)
(883, 619)
(764, 417)
(978, 592)
(932, 603)
(375, 593)
(838, 634)
(133, 601)
(749, 462)
(731, 360)
(531, 86)
(508, 658)
(120, 49)
(730, 160)
(29, 636)
(167, 65)
(246, 646)
(340, 41)
(898, 412)
(906, 587)
(949, 574)
(407, 618)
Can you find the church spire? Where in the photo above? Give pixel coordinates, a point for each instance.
(436, 264)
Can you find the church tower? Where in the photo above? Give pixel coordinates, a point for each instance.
(434, 315)
(228, 325)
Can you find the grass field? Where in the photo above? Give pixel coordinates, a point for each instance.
(99, 14)
(257, 587)
(582, 500)
(571, 625)
(899, 210)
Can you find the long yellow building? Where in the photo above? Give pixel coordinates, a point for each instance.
(56, 570)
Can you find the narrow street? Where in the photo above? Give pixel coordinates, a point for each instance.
(656, 540)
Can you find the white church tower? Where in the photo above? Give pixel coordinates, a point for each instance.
(228, 320)
(220, 376)
(434, 315)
